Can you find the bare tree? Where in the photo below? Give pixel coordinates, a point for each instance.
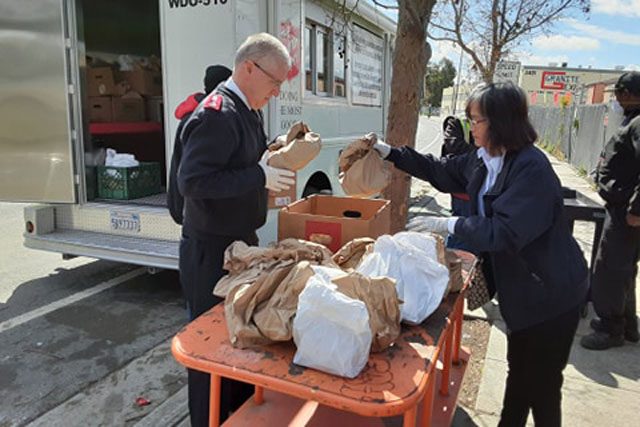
(410, 56)
(488, 30)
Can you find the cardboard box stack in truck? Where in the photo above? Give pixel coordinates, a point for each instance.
(129, 92)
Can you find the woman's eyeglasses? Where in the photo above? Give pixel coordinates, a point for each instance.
(474, 122)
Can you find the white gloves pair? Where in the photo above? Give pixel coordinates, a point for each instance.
(433, 224)
(276, 179)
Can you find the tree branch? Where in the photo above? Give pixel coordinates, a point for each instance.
(384, 6)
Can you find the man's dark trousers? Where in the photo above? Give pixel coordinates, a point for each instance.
(614, 276)
(200, 269)
(537, 356)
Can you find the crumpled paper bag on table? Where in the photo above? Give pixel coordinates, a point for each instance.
(264, 284)
(255, 276)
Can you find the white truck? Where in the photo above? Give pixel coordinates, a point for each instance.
(339, 86)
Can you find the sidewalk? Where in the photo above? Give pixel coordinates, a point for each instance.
(600, 387)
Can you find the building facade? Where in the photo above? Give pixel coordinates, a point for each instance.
(546, 85)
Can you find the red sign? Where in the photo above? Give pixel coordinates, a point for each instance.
(549, 81)
(326, 233)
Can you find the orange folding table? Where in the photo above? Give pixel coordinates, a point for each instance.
(402, 380)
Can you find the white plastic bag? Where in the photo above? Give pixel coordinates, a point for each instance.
(114, 158)
(411, 259)
(331, 331)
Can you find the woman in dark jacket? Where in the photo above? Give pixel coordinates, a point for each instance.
(518, 226)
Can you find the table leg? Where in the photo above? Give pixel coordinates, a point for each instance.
(258, 396)
(446, 360)
(457, 324)
(304, 415)
(410, 417)
(214, 401)
(427, 400)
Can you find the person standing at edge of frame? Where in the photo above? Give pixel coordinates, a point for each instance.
(457, 140)
(518, 225)
(613, 290)
(213, 76)
(224, 177)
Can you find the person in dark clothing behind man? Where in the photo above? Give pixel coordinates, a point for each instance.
(618, 178)
(457, 140)
(214, 75)
(224, 177)
(518, 224)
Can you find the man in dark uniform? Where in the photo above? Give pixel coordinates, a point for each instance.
(616, 265)
(224, 178)
(214, 75)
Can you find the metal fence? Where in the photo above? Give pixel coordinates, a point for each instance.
(578, 132)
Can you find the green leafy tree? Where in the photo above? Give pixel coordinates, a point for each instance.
(438, 77)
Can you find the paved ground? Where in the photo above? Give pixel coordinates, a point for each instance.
(601, 388)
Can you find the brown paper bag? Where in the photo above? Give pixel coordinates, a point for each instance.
(350, 255)
(296, 150)
(275, 318)
(363, 173)
(258, 275)
(246, 263)
(380, 296)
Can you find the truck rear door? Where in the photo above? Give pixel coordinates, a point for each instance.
(36, 121)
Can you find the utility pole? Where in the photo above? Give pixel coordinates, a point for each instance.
(456, 89)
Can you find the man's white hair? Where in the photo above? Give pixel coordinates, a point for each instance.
(262, 45)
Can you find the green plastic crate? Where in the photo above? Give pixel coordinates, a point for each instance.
(121, 183)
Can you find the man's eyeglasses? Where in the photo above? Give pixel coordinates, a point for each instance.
(275, 81)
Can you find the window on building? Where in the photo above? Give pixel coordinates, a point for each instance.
(325, 60)
(322, 61)
(308, 36)
(339, 65)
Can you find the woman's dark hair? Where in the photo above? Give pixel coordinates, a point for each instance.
(505, 107)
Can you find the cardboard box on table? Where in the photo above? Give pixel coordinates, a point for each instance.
(334, 221)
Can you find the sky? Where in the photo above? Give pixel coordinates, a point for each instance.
(607, 37)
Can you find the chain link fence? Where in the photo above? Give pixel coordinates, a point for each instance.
(576, 133)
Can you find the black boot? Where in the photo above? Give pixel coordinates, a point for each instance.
(601, 341)
(630, 329)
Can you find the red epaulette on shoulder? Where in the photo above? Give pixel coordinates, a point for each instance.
(213, 102)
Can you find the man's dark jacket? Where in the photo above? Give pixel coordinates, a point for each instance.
(618, 175)
(219, 177)
(536, 266)
(175, 201)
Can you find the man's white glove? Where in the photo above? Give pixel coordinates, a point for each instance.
(276, 179)
(433, 224)
(382, 148)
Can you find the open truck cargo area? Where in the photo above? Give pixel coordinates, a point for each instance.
(85, 76)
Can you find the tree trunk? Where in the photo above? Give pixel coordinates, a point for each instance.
(411, 55)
